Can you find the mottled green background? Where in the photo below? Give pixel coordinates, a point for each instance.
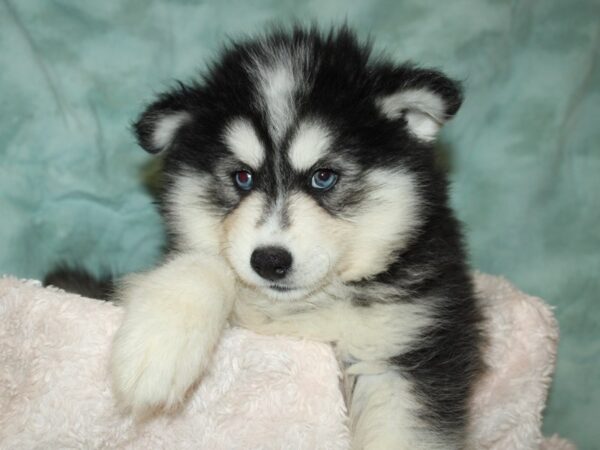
(524, 150)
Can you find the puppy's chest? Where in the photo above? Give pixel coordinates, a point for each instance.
(368, 335)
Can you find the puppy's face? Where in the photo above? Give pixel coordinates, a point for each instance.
(298, 160)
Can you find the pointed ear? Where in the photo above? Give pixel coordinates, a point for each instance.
(158, 126)
(423, 99)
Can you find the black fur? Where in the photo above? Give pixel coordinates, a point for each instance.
(81, 282)
(448, 361)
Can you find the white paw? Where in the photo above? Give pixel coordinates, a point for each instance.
(173, 321)
(154, 367)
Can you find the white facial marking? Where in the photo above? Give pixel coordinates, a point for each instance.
(309, 145)
(276, 82)
(189, 216)
(277, 89)
(241, 237)
(386, 222)
(311, 238)
(165, 128)
(242, 140)
(423, 110)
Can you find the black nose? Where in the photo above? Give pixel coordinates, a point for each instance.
(272, 263)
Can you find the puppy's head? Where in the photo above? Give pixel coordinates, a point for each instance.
(300, 159)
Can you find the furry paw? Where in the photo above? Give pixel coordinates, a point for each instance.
(154, 367)
(174, 319)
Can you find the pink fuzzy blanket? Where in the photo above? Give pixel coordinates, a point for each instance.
(261, 393)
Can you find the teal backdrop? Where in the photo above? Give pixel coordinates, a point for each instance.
(523, 152)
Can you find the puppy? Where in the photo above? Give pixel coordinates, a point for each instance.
(303, 199)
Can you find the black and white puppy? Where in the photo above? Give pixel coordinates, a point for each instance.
(303, 199)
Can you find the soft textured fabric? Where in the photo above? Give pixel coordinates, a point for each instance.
(260, 393)
(523, 151)
(55, 393)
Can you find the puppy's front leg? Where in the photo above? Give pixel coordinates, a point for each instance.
(385, 413)
(174, 316)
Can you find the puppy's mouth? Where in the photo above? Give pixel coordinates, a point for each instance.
(285, 292)
(291, 291)
(279, 288)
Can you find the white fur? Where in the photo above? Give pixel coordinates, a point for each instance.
(384, 415)
(423, 110)
(165, 128)
(174, 318)
(277, 84)
(199, 230)
(279, 73)
(371, 334)
(245, 232)
(242, 140)
(241, 239)
(384, 224)
(308, 146)
(311, 238)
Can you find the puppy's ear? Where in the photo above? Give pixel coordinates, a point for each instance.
(423, 99)
(157, 127)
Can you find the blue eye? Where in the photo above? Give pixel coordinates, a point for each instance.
(243, 179)
(324, 179)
